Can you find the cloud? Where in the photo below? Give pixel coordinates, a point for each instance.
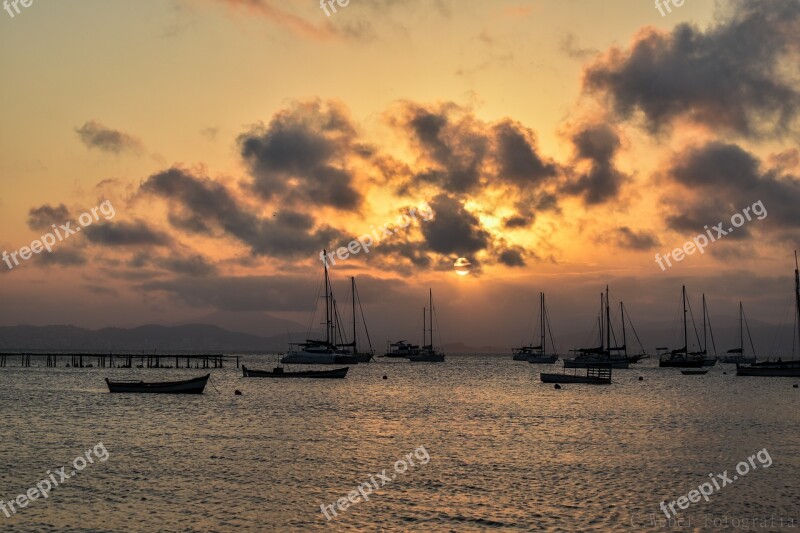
(719, 179)
(295, 24)
(738, 76)
(454, 230)
(626, 238)
(569, 45)
(597, 145)
(300, 156)
(44, 216)
(203, 206)
(136, 233)
(95, 135)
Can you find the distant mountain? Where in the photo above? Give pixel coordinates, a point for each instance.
(190, 338)
(253, 322)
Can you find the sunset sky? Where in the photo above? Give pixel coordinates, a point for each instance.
(560, 145)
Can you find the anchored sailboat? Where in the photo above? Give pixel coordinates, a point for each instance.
(538, 354)
(591, 357)
(780, 368)
(321, 352)
(427, 354)
(737, 355)
(682, 357)
(366, 356)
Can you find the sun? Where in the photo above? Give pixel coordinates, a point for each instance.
(461, 266)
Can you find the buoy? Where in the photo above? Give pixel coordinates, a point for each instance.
(641, 378)
(385, 377)
(557, 386)
(238, 392)
(794, 386)
(725, 373)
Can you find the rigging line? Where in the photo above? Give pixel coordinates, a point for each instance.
(363, 318)
(549, 330)
(747, 326)
(710, 330)
(634, 332)
(696, 334)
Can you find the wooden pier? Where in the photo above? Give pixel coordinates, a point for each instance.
(112, 360)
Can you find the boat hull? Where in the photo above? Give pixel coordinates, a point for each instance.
(568, 378)
(694, 372)
(191, 386)
(542, 359)
(338, 373)
(586, 363)
(737, 360)
(364, 357)
(426, 358)
(776, 370)
(710, 361)
(681, 363)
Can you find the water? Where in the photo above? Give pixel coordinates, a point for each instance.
(507, 453)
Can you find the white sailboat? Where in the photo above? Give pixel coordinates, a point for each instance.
(427, 353)
(320, 352)
(538, 354)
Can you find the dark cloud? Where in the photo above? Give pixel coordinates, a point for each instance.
(299, 156)
(44, 216)
(569, 45)
(454, 230)
(136, 233)
(513, 257)
(95, 135)
(194, 265)
(625, 237)
(739, 75)
(63, 257)
(204, 206)
(720, 180)
(460, 154)
(596, 145)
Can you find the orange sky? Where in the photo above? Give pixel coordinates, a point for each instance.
(561, 144)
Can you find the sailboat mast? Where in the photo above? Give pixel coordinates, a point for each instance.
(685, 334)
(705, 340)
(430, 302)
(327, 304)
(624, 339)
(797, 293)
(424, 320)
(353, 290)
(608, 322)
(600, 323)
(741, 331)
(541, 311)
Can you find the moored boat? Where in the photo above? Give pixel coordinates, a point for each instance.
(538, 354)
(737, 355)
(694, 372)
(596, 374)
(189, 386)
(401, 350)
(605, 354)
(779, 368)
(279, 372)
(427, 353)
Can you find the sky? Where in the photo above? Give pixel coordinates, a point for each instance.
(558, 146)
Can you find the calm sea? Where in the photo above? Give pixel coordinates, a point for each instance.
(506, 452)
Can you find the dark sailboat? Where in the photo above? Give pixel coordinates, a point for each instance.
(681, 357)
(365, 356)
(602, 354)
(427, 353)
(736, 355)
(538, 354)
(189, 386)
(780, 368)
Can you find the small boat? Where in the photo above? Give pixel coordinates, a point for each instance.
(736, 355)
(189, 386)
(538, 354)
(321, 352)
(401, 350)
(779, 368)
(588, 357)
(427, 354)
(682, 357)
(279, 372)
(596, 374)
(694, 372)
(352, 347)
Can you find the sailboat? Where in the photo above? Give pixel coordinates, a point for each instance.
(321, 352)
(779, 368)
(362, 357)
(400, 349)
(591, 357)
(427, 353)
(682, 357)
(737, 355)
(538, 354)
(708, 360)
